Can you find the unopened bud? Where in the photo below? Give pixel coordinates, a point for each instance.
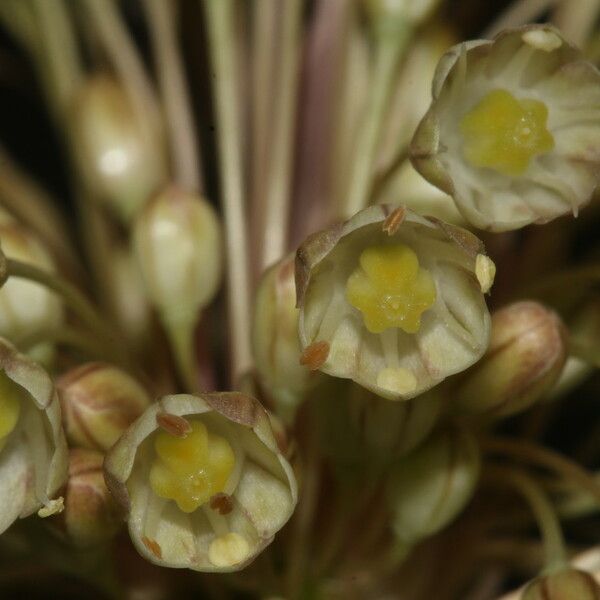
(568, 584)
(431, 486)
(129, 301)
(119, 153)
(275, 338)
(389, 430)
(90, 516)
(25, 306)
(99, 402)
(526, 355)
(177, 241)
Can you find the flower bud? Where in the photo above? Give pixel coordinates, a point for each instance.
(202, 481)
(503, 135)
(275, 339)
(392, 300)
(25, 306)
(99, 402)
(129, 302)
(91, 516)
(525, 358)
(33, 450)
(389, 430)
(177, 241)
(119, 152)
(568, 584)
(433, 484)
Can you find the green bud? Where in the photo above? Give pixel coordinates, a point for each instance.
(431, 486)
(275, 338)
(90, 516)
(390, 430)
(177, 242)
(25, 306)
(99, 402)
(119, 152)
(525, 358)
(568, 584)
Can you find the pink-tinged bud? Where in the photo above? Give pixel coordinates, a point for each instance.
(525, 358)
(569, 584)
(99, 402)
(91, 516)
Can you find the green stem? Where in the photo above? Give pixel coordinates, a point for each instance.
(181, 338)
(543, 511)
(388, 51)
(64, 70)
(184, 146)
(73, 298)
(86, 344)
(275, 212)
(532, 453)
(119, 46)
(220, 23)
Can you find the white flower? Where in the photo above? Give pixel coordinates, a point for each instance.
(33, 451)
(393, 301)
(506, 135)
(203, 481)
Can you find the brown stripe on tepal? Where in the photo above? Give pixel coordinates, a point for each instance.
(235, 406)
(79, 373)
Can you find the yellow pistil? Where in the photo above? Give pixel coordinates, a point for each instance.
(10, 407)
(390, 289)
(504, 133)
(192, 469)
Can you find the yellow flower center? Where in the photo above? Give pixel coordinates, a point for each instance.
(10, 407)
(390, 289)
(192, 469)
(504, 134)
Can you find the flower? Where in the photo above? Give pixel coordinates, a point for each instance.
(202, 481)
(505, 135)
(393, 301)
(33, 450)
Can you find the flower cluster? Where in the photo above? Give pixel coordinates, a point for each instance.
(401, 394)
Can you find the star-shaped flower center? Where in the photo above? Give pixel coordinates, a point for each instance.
(390, 289)
(192, 469)
(504, 133)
